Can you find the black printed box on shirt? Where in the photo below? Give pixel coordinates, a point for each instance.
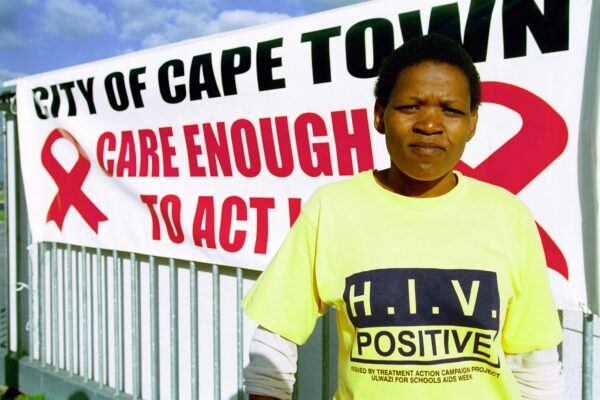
(423, 315)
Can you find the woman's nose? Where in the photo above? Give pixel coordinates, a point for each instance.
(429, 122)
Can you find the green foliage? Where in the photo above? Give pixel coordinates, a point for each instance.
(26, 397)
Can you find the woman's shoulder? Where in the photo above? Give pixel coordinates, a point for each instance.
(494, 197)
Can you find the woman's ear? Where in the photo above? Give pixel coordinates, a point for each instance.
(474, 119)
(378, 121)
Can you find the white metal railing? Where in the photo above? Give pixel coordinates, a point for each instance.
(98, 314)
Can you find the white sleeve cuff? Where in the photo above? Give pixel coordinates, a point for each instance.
(272, 365)
(538, 373)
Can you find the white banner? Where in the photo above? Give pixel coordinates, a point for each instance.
(205, 149)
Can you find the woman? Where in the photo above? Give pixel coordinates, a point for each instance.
(439, 280)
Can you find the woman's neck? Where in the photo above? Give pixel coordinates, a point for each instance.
(398, 182)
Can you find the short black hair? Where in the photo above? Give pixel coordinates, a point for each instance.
(431, 47)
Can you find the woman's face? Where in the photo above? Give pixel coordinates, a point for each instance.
(428, 120)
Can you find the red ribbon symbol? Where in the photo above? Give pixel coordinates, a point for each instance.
(69, 184)
(542, 138)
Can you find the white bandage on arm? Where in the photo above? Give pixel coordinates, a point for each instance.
(538, 373)
(272, 365)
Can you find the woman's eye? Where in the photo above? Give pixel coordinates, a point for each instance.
(453, 112)
(409, 107)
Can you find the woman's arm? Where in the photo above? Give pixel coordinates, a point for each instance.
(270, 373)
(538, 373)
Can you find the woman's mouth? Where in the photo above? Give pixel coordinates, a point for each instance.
(426, 148)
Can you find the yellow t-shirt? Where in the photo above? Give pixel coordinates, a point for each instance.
(430, 293)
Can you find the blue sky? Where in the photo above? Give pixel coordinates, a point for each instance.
(43, 35)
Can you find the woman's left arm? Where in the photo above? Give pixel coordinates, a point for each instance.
(538, 373)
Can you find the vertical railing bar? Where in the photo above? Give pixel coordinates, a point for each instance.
(12, 229)
(216, 332)
(105, 318)
(27, 344)
(54, 306)
(5, 327)
(136, 339)
(118, 331)
(31, 298)
(42, 303)
(296, 386)
(325, 355)
(588, 357)
(77, 337)
(91, 327)
(84, 313)
(239, 275)
(100, 311)
(560, 345)
(69, 325)
(63, 310)
(194, 328)
(174, 331)
(154, 339)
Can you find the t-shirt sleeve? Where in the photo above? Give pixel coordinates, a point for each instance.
(532, 321)
(285, 299)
